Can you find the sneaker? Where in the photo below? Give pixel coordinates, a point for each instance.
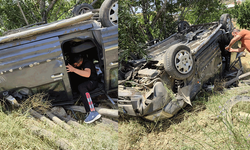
(93, 116)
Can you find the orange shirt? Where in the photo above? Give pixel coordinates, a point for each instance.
(245, 38)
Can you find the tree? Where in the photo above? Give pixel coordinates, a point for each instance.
(157, 20)
(130, 30)
(19, 13)
(242, 12)
(205, 11)
(138, 30)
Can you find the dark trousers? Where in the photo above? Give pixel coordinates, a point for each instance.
(84, 87)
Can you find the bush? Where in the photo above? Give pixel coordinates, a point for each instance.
(242, 14)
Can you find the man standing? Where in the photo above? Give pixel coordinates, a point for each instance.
(244, 37)
(85, 68)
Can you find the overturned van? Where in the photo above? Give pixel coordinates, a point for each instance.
(34, 60)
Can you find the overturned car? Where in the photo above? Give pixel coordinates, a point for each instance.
(177, 69)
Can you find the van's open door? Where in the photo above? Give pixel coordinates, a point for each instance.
(108, 39)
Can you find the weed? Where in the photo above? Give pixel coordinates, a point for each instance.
(16, 134)
(202, 126)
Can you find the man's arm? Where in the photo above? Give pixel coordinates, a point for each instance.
(235, 39)
(237, 50)
(84, 73)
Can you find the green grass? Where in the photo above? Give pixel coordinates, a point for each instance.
(197, 127)
(15, 134)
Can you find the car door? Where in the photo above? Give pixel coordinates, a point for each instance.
(34, 64)
(108, 39)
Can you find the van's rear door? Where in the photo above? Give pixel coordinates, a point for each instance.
(35, 64)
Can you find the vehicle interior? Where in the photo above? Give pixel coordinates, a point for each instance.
(88, 48)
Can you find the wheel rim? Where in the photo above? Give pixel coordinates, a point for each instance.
(185, 26)
(228, 26)
(83, 10)
(183, 62)
(113, 13)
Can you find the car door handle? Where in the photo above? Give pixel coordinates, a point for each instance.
(57, 76)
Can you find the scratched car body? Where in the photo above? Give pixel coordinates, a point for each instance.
(182, 64)
(34, 60)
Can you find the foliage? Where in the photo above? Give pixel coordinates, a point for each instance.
(36, 11)
(154, 22)
(205, 11)
(131, 34)
(233, 11)
(157, 20)
(242, 12)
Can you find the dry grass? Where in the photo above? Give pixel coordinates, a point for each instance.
(14, 133)
(197, 127)
(38, 102)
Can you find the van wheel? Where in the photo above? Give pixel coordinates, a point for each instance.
(178, 62)
(226, 22)
(109, 13)
(81, 9)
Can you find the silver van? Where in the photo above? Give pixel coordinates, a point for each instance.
(34, 60)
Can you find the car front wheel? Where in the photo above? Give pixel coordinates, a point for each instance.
(178, 62)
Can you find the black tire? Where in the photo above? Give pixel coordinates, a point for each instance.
(171, 61)
(81, 9)
(109, 13)
(226, 22)
(183, 25)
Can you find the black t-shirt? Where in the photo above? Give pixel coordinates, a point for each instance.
(88, 64)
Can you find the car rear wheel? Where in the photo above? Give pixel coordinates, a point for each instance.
(183, 25)
(178, 62)
(226, 22)
(81, 9)
(109, 13)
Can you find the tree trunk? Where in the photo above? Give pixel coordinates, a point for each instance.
(30, 12)
(131, 9)
(60, 142)
(69, 121)
(42, 118)
(18, 4)
(59, 122)
(93, 2)
(51, 5)
(103, 111)
(162, 10)
(43, 11)
(146, 20)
